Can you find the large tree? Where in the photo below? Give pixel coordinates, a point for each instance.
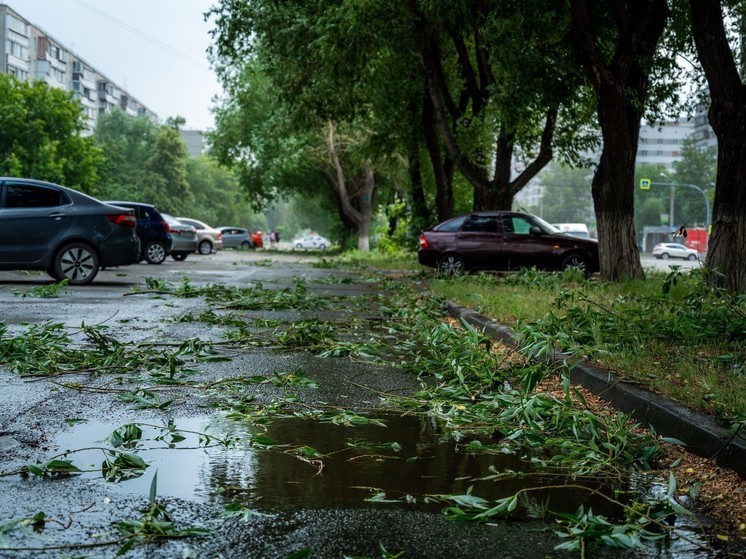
(128, 143)
(726, 255)
(41, 136)
(166, 183)
(264, 46)
(504, 96)
(617, 43)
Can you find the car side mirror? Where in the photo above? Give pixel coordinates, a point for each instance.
(535, 230)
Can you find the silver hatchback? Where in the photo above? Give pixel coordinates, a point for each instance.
(184, 237)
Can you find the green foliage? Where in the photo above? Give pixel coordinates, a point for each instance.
(166, 184)
(156, 524)
(49, 291)
(51, 468)
(41, 136)
(128, 144)
(671, 332)
(567, 196)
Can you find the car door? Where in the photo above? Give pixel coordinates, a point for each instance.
(522, 247)
(232, 237)
(479, 241)
(33, 221)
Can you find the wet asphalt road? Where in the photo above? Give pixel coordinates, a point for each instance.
(36, 413)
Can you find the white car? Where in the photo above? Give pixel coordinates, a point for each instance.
(311, 241)
(674, 250)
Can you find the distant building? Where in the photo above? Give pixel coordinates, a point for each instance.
(195, 141)
(29, 53)
(661, 142)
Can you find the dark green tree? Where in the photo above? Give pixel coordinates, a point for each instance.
(165, 182)
(567, 195)
(128, 143)
(617, 43)
(218, 197)
(505, 98)
(651, 204)
(697, 167)
(41, 136)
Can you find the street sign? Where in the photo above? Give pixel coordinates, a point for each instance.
(644, 184)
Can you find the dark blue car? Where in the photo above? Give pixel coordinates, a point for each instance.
(153, 230)
(70, 235)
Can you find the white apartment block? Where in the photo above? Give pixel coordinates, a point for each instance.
(30, 53)
(661, 142)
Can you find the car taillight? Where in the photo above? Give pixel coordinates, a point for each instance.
(423, 241)
(128, 220)
(166, 226)
(220, 235)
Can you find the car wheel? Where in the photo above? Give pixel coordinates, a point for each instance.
(322, 246)
(664, 256)
(692, 257)
(78, 263)
(298, 246)
(179, 256)
(247, 244)
(577, 261)
(205, 247)
(451, 265)
(155, 252)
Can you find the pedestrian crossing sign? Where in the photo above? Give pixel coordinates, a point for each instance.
(644, 184)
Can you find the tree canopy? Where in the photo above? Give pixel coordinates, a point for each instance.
(41, 136)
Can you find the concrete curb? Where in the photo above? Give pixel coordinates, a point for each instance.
(702, 434)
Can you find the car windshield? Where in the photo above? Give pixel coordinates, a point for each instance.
(545, 226)
(548, 227)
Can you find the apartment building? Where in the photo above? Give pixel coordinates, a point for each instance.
(29, 53)
(660, 142)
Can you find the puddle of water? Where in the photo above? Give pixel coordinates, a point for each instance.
(357, 462)
(410, 456)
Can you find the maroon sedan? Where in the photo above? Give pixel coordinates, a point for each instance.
(503, 241)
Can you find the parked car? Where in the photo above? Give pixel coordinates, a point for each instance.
(577, 229)
(311, 241)
(209, 238)
(235, 237)
(68, 234)
(153, 230)
(674, 250)
(184, 238)
(503, 241)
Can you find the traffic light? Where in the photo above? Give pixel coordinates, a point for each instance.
(644, 184)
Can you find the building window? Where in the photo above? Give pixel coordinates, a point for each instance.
(17, 25)
(18, 73)
(17, 50)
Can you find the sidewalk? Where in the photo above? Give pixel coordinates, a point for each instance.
(703, 435)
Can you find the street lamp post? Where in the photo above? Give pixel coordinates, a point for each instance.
(673, 186)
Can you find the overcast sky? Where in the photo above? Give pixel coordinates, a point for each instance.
(155, 49)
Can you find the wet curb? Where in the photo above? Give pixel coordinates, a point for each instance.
(702, 434)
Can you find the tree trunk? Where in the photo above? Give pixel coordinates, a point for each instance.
(442, 168)
(620, 79)
(613, 199)
(420, 212)
(497, 193)
(366, 209)
(365, 195)
(726, 254)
